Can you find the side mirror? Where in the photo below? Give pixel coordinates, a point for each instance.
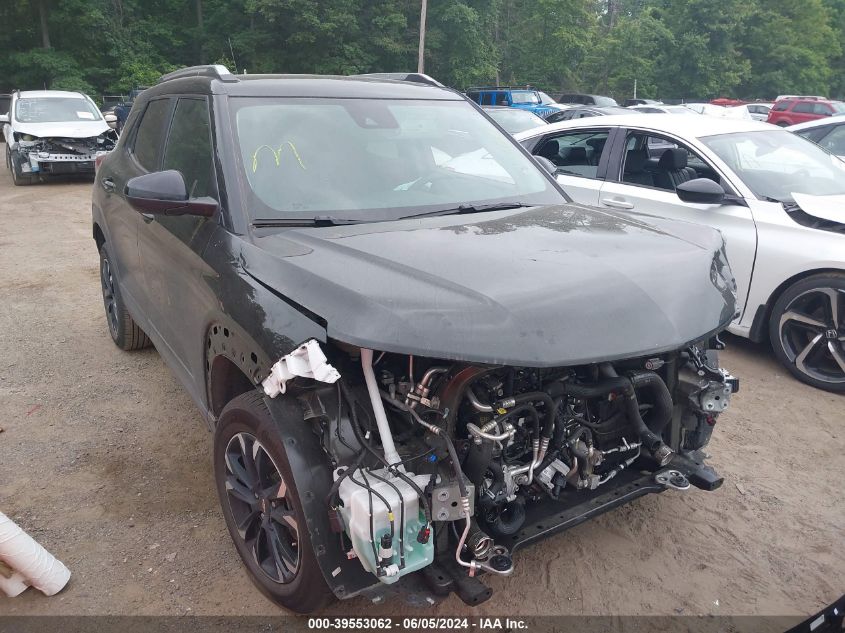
(546, 164)
(4, 118)
(700, 191)
(164, 193)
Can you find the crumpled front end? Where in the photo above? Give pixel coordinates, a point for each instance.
(58, 155)
(450, 467)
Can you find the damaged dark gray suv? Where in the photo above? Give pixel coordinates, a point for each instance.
(415, 353)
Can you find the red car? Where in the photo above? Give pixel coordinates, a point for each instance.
(800, 109)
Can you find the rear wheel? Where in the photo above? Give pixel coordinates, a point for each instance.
(262, 508)
(122, 327)
(807, 330)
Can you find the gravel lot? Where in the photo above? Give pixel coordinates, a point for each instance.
(104, 459)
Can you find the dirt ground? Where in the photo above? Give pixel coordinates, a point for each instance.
(104, 459)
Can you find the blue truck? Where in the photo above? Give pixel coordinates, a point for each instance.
(522, 98)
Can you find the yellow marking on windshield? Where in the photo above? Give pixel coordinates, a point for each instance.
(277, 155)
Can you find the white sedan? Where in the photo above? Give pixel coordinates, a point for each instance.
(778, 199)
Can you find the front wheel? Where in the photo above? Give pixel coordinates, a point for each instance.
(262, 508)
(807, 330)
(19, 178)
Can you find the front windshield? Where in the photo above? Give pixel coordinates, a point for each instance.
(838, 107)
(776, 164)
(55, 110)
(605, 101)
(515, 120)
(524, 97)
(377, 159)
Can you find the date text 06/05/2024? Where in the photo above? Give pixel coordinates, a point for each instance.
(414, 623)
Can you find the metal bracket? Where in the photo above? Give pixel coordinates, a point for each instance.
(672, 479)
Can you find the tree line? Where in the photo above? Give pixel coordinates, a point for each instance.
(693, 49)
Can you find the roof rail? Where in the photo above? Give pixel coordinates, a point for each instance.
(215, 71)
(418, 78)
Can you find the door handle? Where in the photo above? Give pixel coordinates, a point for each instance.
(108, 184)
(148, 217)
(617, 204)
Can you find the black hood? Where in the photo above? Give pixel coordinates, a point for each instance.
(541, 287)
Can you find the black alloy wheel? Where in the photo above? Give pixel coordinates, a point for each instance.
(262, 507)
(122, 327)
(807, 330)
(263, 513)
(109, 299)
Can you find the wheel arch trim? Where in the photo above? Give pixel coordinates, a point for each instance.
(760, 325)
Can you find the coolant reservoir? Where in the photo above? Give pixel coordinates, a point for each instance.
(356, 520)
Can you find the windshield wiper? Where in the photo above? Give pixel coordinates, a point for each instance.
(471, 208)
(317, 220)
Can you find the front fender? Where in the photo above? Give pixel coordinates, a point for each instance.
(312, 474)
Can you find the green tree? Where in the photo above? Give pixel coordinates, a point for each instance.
(628, 52)
(547, 41)
(704, 59)
(790, 45)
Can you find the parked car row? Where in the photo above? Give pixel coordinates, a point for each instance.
(772, 193)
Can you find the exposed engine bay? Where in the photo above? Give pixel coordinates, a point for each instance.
(447, 467)
(61, 155)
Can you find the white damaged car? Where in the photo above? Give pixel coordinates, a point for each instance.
(53, 132)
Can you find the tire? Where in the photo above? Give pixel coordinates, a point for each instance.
(123, 330)
(273, 526)
(782, 123)
(807, 330)
(18, 177)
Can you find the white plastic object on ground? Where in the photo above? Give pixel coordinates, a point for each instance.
(34, 564)
(11, 582)
(307, 361)
(386, 436)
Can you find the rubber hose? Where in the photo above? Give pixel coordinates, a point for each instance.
(356, 429)
(351, 469)
(547, 400)
(510, 519)
(651, 440)
(661, 414)
(477, 462)
(523, 408)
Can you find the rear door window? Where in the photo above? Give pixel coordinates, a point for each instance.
(575, 153)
